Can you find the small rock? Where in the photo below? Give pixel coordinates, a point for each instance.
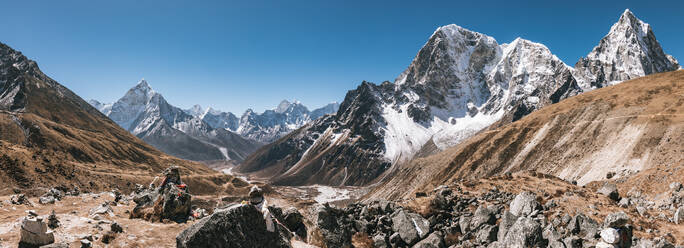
(610, 191)
(616, 220)
(380, 241)
(86, 243)
(610, 235)
(53, 222)
(602, 244)
(115, 227)
(676, 186)
(624, 202)
(679, 216)
(434, 240)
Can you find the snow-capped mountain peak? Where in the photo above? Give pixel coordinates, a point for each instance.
(629, 50)
(196, 110)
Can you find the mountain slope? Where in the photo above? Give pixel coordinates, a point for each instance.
(50, 136)
(146, 114)
(630, 50)
(629, 132)
(459, 83)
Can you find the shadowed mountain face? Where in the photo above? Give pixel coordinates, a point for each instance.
(50, 136)
(459, 83)
(146, 113)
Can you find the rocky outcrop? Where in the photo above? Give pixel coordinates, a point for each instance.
(169, 201)
(238, 226)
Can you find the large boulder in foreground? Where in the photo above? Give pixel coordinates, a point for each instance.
(238, 226)
(169, 201)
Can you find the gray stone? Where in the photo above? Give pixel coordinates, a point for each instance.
(86, 243)
(410, 226)
(525, 232)
(624, 202)
(676, 186)
(507, 220)
(486, 234)
(335, 226)
(679, 216)
(434, 240)
(34, 232)
(610, 235)
(556, 244)
(610, 191)
(524, 204)
(581, 224)
(482, 216)
(237, 226)
(380, 241)
(56, 245)
(572, 242)
(616, 220)
(464, 224)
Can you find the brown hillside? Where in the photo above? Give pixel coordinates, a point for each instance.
(632, 132)
(50, 137)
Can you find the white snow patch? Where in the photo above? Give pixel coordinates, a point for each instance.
(330, 194)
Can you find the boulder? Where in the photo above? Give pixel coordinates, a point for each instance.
(610, 235)
(380, 241)
(524, 204)
(169, 201)
(525, 232)
(507, 220)
(482, 216)
(34, 232)
(335, 226)
(679, 216)
(602, 244)
(104, 208)
(434, 240)
(410, 226)
(238, 226)
(610, 191)
(486, 234)
(581, 224)
(294, 221)
(616, 220)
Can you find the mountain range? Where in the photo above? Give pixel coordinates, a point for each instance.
(50, 136)
(199, 134)
(459, 83)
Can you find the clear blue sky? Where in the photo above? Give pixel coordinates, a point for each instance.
(235, 55)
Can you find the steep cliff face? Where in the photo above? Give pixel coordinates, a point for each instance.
(630, 50)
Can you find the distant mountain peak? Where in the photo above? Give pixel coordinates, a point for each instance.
(628, 51)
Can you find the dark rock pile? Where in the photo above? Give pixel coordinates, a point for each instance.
(493, 219)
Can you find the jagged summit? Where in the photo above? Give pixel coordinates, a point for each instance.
(628, 51)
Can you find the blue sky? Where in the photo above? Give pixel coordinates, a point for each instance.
(234, 55)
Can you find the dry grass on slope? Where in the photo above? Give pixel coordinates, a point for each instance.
(633, 131)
